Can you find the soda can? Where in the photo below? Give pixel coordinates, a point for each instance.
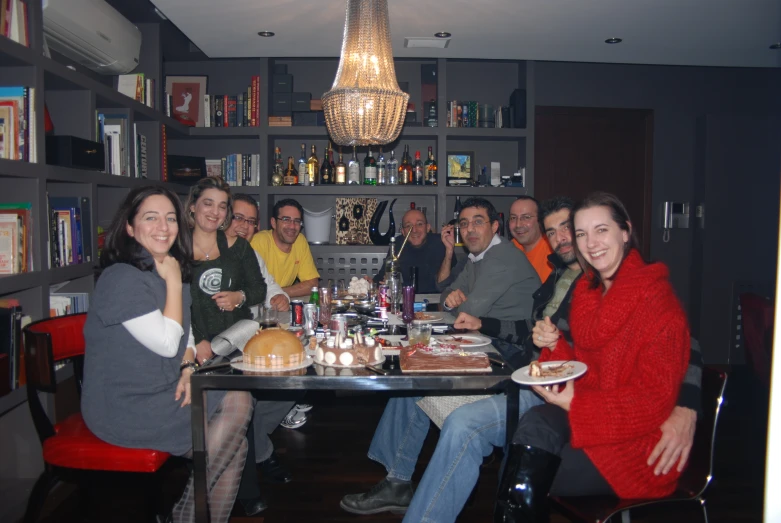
(297, 313)
(383, 300)
(310, 318)
(338, 325)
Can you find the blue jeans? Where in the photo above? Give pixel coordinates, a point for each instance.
(468, 435)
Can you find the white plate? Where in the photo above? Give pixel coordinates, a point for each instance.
(469, 340)
(434, 317)
(240, 365)
(522, 375)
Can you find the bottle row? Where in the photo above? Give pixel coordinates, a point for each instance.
(374, 171)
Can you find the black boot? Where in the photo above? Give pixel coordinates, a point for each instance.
(524, 485)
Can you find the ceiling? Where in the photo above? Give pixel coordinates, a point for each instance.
(676, 32)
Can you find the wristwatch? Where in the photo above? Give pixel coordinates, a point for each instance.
(188, 365)
(243, 299)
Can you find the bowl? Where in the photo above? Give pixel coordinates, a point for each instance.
(365, 306)
(340, 305)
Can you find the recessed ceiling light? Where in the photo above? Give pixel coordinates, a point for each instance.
(614, 40)
(443, 34)
(776, 46)
(266, 34)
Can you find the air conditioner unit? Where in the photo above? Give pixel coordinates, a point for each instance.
(92, 33)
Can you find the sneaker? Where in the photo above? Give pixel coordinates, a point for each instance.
(295, 419)
(303, 407)
(386, 496)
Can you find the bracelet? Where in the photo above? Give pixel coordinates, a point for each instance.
(243, 299)
(188, 365)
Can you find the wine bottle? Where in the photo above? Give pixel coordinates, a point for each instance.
(456, 231)
(326, 171)
(291, 175)
(277, 170)
(341, 170)
(405, 169)
(431, 169)
(381, 173)
(353, 170)
(312, 167)
(500, 231)
(369, 169)
(392, 169)
(302, 178)
(417, 170)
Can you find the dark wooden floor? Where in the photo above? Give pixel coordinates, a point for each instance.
(328, 459)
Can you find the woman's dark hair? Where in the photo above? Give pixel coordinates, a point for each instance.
(120, 247)
(204, 184)
(618, 214)
(482, 203)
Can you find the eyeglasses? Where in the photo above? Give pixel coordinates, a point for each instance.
(522, 218)
(252, 222)
(477, 223)
(298, 222)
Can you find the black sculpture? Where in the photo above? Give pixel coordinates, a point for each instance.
(375, 236)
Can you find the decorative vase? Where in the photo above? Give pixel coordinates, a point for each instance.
(375, 235)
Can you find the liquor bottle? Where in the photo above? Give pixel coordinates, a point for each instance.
(291, 175)
(381, 173)
(302, 178)
(277, 170)
(500, 231)
(326, 171)
(341, 170)
(431, 169)
(417, 170)
(456, 232)
(312, 167)
(369, 169)
(392, 169)
(353, 170)
(405, 169)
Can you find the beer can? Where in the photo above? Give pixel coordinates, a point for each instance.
(310, 318)
(383, 300)
(338, 325)
(297, 313)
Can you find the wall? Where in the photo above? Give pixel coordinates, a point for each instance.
(739, 154)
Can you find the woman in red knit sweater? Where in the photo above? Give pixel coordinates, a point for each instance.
(593, 435)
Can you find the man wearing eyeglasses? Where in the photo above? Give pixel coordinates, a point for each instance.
(424, 250)
(244, 224)
(525, 229)
(286, 251)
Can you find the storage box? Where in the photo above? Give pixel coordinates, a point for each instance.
(316, 105)
(281, 104)
(71, 151)
(300, 101)
(186, 169)
(307, 118)
(280, 68)
(282, 83)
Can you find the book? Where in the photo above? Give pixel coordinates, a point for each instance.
(132, 86)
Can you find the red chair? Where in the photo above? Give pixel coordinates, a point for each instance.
(69, 445)
(693, 482)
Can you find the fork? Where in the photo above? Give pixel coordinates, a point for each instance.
(560, 365)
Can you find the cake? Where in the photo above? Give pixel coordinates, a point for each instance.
(274, 349)
(348, 352)
(442, 359)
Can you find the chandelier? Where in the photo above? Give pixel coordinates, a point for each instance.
(365, 105)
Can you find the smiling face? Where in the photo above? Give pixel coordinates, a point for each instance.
(559, 234)
(416, 221)
(154, 226)
(210, 210)
(523, 223)
(476, 229)
(285, 228)
(240, 226)
(600, 240)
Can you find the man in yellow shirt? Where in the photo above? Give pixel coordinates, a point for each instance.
(285, 250)
(525, 230)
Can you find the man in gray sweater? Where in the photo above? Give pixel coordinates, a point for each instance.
(497, 281)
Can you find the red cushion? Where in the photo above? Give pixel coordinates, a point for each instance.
(75, 447)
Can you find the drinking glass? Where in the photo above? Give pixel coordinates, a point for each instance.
(267, 317)
(341, 290)
(408, 307)
(419, 333)
(394, 291)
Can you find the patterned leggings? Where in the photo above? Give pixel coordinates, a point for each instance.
(226, 451)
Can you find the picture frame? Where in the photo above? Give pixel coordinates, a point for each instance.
(186, 170)
(460, 165)
(187, 94)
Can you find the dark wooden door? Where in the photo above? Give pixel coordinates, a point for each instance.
(580, 150)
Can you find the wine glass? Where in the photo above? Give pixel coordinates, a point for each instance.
(408, 306)
(341, 290)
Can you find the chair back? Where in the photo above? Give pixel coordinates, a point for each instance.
(45, 343)
(698, 473)
(757, 317)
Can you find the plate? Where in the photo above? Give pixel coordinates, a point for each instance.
(432, 317)
(240, 365)
(467, 340)
(522, 375)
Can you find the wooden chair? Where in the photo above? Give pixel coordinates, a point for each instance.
(693, 482)
(69, 445)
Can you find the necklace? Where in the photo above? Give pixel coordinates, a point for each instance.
(206, 253)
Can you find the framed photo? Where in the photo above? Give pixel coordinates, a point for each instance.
(460, 164)
(187, 98)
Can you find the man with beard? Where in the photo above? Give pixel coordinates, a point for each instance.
(285, 250)
(525, 230)
(424, 250)
(244, 224)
